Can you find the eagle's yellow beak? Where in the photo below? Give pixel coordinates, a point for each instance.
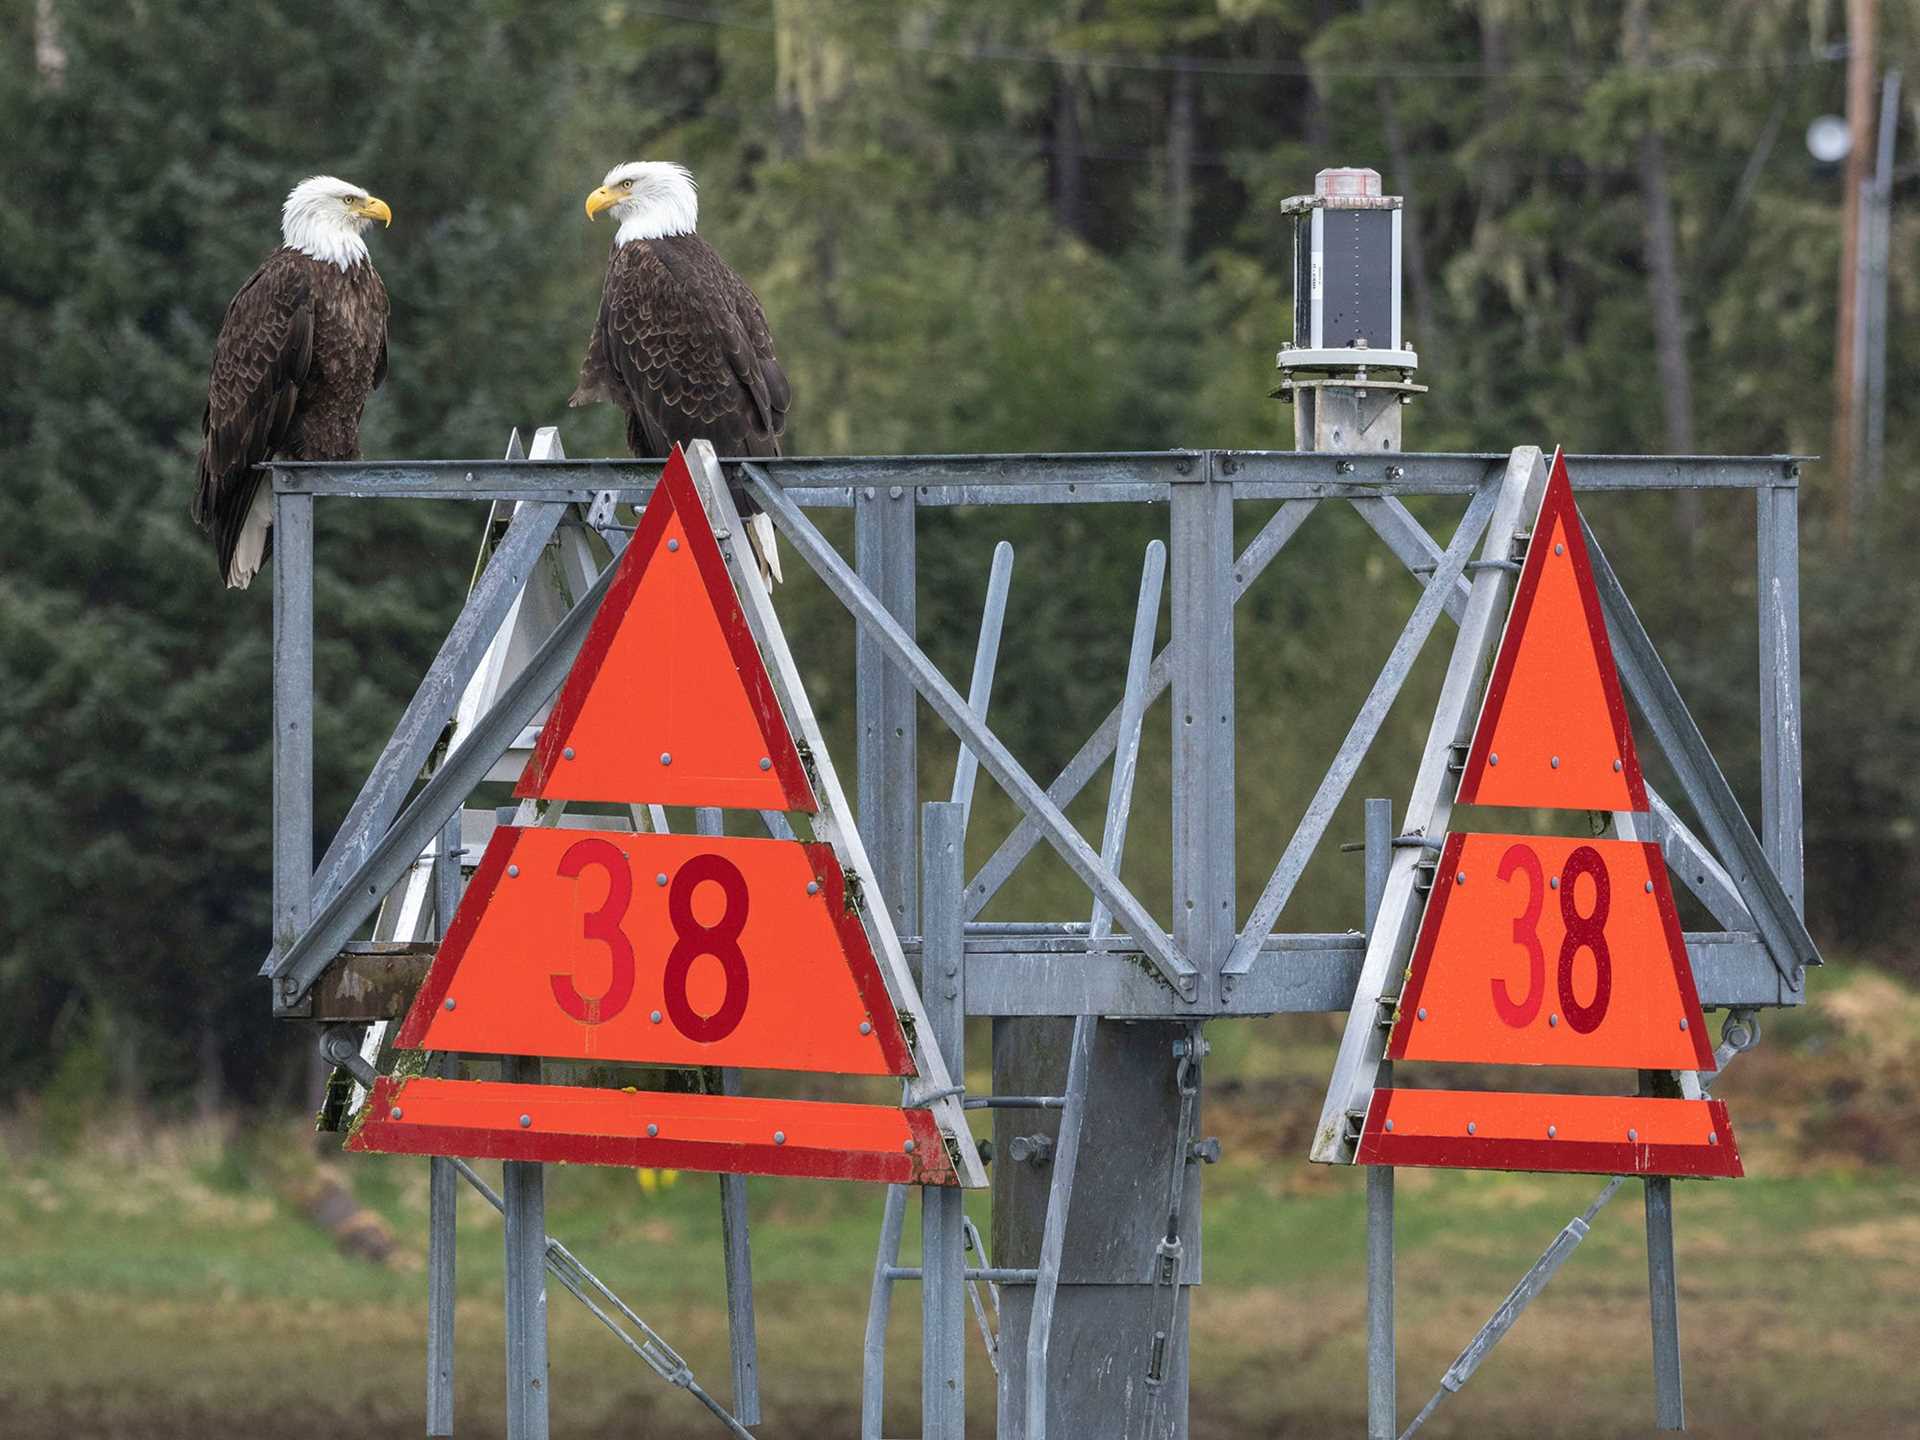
(372, 208)
(601, 199)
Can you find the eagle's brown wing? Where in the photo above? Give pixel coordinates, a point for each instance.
(260, 361)
(681, 345)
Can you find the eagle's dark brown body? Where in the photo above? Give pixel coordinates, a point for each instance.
(682, 346)
(302, 346)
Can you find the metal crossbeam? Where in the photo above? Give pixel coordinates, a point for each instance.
(947, 702)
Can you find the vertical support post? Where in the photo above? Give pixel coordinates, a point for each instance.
(1669, 1398)
(735, 1239)
(1779, 591)
(885, 706)
(292, 718)
(443, 1184)
(523, 1188)
(873, 1371)
(943, 1295)
(1382, 1396)
(1201, 527)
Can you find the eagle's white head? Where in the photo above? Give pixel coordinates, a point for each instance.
(650, 199)
(323, 218)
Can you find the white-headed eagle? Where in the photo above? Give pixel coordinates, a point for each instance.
(681, 343)
(302, 346)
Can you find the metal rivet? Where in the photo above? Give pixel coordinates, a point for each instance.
(655, 1017)
(1616, 767)
(1421, 1012)
(394, 1113)
(661, 878)
(673, 544)
(1552, 1130)
(512, 871)
(813, 887)
(908, 1147)
(779, 1137)
(1633, 1134)
(1493, 759)
(1389, 1125)
(1553, 1021)
(765, 763)
(567, 753)
(866, 1027)
(1559, 549)
(526, 1121)
(1683, 1022)
(1553, 882)
(1460, 878)
(1713, 1137)
(1554, 762)
(665, 758)
(1649, 887)
(1470, 1127)
(449, 1002)
(653, 1130)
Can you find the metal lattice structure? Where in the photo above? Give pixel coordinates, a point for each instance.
(1085, 1260)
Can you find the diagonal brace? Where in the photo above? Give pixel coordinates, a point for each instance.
(952, 708)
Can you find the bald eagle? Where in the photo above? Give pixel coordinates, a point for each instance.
(681, 343)
(302, 346)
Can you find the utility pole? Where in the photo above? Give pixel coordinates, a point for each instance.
(1860, 67)
(1870, 347)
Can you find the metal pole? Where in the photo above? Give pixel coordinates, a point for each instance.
(1382, 1397)
(292, 719)
(873, 1373)
(735, 1238)
(1670, 1406)
(943, 1260)
(523, 1190)
(443, 1191)
(1778, 517)
(1053, 1236)
(885, 709)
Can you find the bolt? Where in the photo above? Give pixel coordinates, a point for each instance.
(908, 1147)
(765, 763)
(1389, 1125)
(449, 1002)
(1422, 1012)
(567, 753)
(526, 1121)
(1552, 1130)
(394, 1113)
(1554, 762)
(1460, 878)
(1343, 467)
(661, 878)
(894, 492)
(868, 492)
(1206, 1151)
(1633, 1135)
(1683, 1022)
(655, 1017)
(1493, 759)
(1471, 1127)
(1559, 549)
(1034, 1150)
(779, 1137)
(866, 1027)
(513, 871)
(652, 1130)
(1553, 1021)
(1553, 882)
(813, 887)
(1396, 472)
(673, 544)
(665, 758)
(1649, 887)
(1713, 1137)
(1616, 767)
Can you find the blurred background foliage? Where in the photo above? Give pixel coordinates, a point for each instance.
(975, 225)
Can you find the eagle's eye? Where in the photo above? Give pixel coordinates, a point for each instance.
(627, 184)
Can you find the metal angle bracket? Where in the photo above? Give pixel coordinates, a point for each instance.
(933, 1087)
(1363, 1045)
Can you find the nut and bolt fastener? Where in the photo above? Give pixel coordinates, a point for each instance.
(1206, 1151)
(394, 1113)
(1633, 1135)
(766, 763)
(1421, 1012)
(1552, 1021)
(1034, 1150)
(673, 544)
(1554, 762)
(526, 1121)
(1389, 1125)
(1553, 882)
(908, 1147)
(1616, 767)
(1552, 1130)
(661, 878)
(779, 1137)
(652, 1130)
(1471, 1127)
(1493, 759)
(1683, 1022)
(513, 871)
(567, 754)
(813, 887)
(655, 1017)
(449, 1002)
(1649, 887)
(1713, 1137)
(1559, 549)
(666, 758)
(866, 1027)
(1460, 877)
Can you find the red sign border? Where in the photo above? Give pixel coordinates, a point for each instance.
(1556, 503)
(676, 487)
(854, 944)
(927, 1164)
(1436, 910)
(1574, 1157)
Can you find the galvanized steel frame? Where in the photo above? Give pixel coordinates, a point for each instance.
(1208, 964)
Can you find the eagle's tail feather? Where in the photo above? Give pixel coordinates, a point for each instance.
(250, 550)
(766, 549)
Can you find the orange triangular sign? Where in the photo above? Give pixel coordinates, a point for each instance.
(1553, 729)
(669, 702)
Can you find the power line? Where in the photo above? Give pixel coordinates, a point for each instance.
(1698, 62)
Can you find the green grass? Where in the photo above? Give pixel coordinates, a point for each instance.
(152, 1284)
